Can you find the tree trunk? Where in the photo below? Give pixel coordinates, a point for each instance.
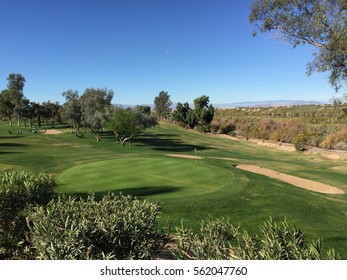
(116, 135)
(122, 141)
(97, 137)
(52, 119)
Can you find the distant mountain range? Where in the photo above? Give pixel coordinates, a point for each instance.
(272, 103)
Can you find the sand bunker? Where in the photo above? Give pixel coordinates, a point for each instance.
(293, 180)
(51, 131)
(184, 156)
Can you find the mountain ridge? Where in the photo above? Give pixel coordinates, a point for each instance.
(268, 103)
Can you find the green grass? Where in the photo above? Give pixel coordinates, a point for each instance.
(159, 176)
(190, 189)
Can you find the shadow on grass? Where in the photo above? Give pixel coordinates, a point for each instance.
(13, 145)
(147, 191)
(9, 153)
(11, 136)
(137, 192)
(161, 142)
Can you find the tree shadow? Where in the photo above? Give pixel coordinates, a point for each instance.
(13, 145)
(11, 136)
(159, 135)
(107, 135)
(161, 143)
(9, 153)
(137, 192)
(148, 191)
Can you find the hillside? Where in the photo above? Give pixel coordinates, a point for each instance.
(321, 126)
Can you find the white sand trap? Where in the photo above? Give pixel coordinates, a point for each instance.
(184, 156)
(293, 180)
(52, 131)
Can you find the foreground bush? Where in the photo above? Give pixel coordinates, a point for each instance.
(220, 240)
(18, 192)
(116, 227)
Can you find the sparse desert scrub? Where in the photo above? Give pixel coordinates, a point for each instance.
(331, 140)
(324, 126)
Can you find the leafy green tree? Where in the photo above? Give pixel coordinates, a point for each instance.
(25, 107)
(181, 113)
(143, 109)
(89, 111)
(192, 119)
(71, 110)
(319, 23)
(126, 123)
(15, 87)
(36, 113)
(200, 117)
(6, 105)
(11, 98)
(162, 105)
(94, 104)
(204, 112)
(51, 112)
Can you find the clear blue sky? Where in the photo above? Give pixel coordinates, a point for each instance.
(139, 47)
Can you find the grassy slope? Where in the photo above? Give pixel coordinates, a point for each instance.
(248, 199)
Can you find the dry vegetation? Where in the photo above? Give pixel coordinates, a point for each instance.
(306, 125)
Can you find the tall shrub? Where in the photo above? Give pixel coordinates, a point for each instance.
(116, 227)
(18, 192)
(219, 239)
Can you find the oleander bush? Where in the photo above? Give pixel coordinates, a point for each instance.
(221, 240)
(212, 242)
(18, 192)
(115, 227)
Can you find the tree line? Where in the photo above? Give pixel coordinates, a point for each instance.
(92, 112)
(14, 105)
(198, 118)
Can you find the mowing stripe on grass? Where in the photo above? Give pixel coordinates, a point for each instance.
(157, 175)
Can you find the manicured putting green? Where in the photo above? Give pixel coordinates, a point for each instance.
(145, 176)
